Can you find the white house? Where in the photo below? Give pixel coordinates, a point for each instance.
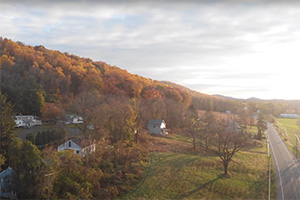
(27, 121)
(74, 119)
(286, 115)
(228, 112)
(81, 146)
(157, 126)
(8, 184)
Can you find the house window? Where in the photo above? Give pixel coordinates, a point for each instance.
(70, 144)
(77, 151)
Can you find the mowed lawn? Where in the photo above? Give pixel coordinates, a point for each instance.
(195, 175)
(292, 129)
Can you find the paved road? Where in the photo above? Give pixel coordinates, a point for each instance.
(287, 168)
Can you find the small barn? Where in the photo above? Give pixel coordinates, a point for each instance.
(288, 115)
(157, 126)
(80, 146)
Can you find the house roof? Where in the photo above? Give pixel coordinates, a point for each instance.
(73, 116)
(155, 122)
(82, 141)
(6, 172)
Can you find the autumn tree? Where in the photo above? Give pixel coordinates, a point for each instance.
(71, 181)
(252, 109)
(192, 125)
(119, 119)
(227, 140)
(2, 160)
(244, 117)
(85, 105)
(52, 112)
(138, 105)
(208, 125)
(261, 125)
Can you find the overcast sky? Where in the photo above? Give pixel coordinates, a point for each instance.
(236, 48)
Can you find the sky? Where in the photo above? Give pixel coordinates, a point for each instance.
(239, 48)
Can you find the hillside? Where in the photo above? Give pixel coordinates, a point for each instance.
(38, 80)
(204, 101)
(50, 76)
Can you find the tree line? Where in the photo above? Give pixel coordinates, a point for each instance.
(113, 169)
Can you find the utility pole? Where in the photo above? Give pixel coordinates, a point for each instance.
(297, 140)
(269, 162)
(269, 159)
(48, 175)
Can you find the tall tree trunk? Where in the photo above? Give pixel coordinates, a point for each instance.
(206, 143)
(194, 143)
(225, 164)
(136, 137)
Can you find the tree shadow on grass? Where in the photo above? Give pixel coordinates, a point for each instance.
(197, 189)
(260, 184)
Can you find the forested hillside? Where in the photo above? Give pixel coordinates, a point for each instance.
(38, 81)
(49, 84)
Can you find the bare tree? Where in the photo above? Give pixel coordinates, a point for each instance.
(85, 105)
(192, 125)
(229, 138)
(140, 108)
(208, 126)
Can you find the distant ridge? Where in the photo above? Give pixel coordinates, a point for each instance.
(239, 99)
(254, 99)
(226, 97)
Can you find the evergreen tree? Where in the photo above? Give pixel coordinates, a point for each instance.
(7, 125)
(26, 160)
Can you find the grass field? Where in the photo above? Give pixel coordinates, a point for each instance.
(292, 129)
(193, 175)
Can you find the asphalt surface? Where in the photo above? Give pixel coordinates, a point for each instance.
(287, 167)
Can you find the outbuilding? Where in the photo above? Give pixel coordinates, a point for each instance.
(157, 126)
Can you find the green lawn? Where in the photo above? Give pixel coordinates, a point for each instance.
(292, 128)
(171, 175)
(252, 129)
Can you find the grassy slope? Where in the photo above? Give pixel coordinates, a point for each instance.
(292, 128)
(184, 175)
